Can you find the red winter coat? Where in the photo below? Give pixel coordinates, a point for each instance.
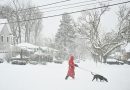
(71, 72)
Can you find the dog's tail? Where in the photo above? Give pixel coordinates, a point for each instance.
(92, 73)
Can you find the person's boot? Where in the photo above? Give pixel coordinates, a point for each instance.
(73, 77)
(66, 77)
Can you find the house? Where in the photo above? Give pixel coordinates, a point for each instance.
(127, 47)
(24, 49)
(127, 51)
(28, 47)
(5, 35)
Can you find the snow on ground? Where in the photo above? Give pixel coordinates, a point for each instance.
(51, 77)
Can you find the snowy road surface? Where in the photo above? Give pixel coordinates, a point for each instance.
(51, 77)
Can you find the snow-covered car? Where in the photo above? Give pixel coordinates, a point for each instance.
(121, 62)
(19, 62)
(58, 61)
(33, 62)
(114, 62)
(127, 62)
(1, 60)
(43, 63)
(49, 58)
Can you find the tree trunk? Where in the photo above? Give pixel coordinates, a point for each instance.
(104, 59)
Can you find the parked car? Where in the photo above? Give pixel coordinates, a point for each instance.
(19, 62)
(43, 63)
(58, 61)
(1, 60)
(49, 58)
(34, 62)
(114, 62)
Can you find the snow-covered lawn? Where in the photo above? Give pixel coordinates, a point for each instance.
(51, 77)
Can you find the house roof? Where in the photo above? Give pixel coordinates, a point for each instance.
(4, 22)
(48, 48)
(26, 46)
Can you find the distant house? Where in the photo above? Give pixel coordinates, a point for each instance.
(5, 35)
(28, 47)
(125, 52)
(127, 47)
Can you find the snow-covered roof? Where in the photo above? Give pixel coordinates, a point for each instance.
(48, 48)
(39, 52)
(3, 23)
(27, 46)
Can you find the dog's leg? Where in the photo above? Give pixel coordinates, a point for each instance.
(96, 79)
(100, 79)
(106, 80)
(93, 78)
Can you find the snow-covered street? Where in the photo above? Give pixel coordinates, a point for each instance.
(43, 43)
(52, 77)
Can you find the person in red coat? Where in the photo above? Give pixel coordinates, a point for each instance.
(71, 68)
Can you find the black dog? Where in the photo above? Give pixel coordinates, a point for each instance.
(100, 77)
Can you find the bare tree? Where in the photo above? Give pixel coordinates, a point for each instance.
(17, 6)
(124, 21)
(33, 26)
(89, 24)
(24, 23)
(8, 12)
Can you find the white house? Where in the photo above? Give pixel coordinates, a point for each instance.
(5, 35)
(126, 51)
(127, 47)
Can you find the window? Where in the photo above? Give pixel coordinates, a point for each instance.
(7, 39)
(2, 38)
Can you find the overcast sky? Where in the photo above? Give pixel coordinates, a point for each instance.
(50, 25)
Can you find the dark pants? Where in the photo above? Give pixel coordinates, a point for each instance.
(66, 77)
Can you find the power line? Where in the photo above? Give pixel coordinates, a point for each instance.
(75, 6)
(45, 5)
(72, 7)
(70, 4)
(42, 5)
(73, 12)
(87, 9)
(67, 7)
(54, 6)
